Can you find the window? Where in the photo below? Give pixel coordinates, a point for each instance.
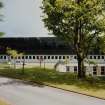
(37, 57)
(94, 70)
(26, 57)
(11, 57)
(94, 57)
(48, 57)
(30, 57)
(67, 68)
(90, 57)
(1, 57)
(56, 57)
(102, 57)
(103, 70)
(67, 57)
(75, 69)
(4, 57)
(22, 57)
(98, 57)
(60, 57)
(33, 57)
(41, 57)
(63, 57)
(52, 57)
(44, 57)
(18, 57)
(75, 57)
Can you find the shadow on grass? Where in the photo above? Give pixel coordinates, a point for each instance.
(38, 77)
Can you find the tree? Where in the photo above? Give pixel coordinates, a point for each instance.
(15, 54)
(77, 22)
(12, 53)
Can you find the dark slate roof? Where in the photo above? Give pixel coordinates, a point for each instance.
(37, 45)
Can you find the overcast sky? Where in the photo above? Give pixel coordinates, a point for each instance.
(22, 18)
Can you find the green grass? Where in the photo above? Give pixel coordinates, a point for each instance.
(94, 86)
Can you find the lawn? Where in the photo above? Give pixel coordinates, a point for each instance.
(94, 86)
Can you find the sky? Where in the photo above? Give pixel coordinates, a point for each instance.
(22, 18)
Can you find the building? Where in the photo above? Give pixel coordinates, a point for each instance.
(50, 52)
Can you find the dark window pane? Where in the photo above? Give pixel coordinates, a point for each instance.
(48, 57)
(75, 69)
(4, 57)
(90, 57)
(75, 57)
(56, 57)
(26, 57)
(102, 57)
(52, 57)
(94, 57)
(98, 57)
(33, 57)
(103, 70)
(44, 57)
(63, 57)
(37, 57)
(60, 57)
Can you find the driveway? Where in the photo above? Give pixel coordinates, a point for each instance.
(19, 93)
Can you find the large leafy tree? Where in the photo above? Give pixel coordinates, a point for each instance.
(78, 22)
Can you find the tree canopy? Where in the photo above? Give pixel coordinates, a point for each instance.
(78, 22)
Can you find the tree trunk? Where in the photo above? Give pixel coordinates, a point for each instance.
(81, 69)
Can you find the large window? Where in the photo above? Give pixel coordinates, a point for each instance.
(4, 57)
(19, 57)
(11, 57)
(56, 57)
(94, 70)
(52, 57)
(1, 57)
(103, 70)
(22, 57)
(75, 69)
(102, 57)
(48, 57)
(75, 57)
(67, 57)
(63, 57)
(60, 57)
(30, 57)
(26, 57)
(94, 57)
(33, 57)
(44, 57)
(67, 68)
(37, 57)
(98, 57)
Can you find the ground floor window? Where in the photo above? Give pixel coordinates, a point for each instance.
(103, 70)
(67, 68)
(94, 70)
(75, 69)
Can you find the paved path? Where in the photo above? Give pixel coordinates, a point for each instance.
(18, 93)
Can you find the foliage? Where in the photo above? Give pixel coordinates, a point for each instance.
(78, 22)
(14, 54)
